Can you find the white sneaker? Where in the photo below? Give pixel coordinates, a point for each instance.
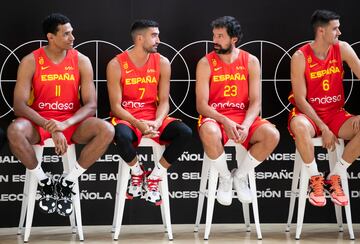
(224, 192)
(241, 187)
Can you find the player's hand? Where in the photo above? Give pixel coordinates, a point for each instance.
(53, 125)
(60, 142)
(329, 139)
(153, 124)
(232, 129)
(146, 130)
(355, 123)
(243, 133)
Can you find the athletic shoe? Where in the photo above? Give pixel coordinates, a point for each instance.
(316, 191)
(47, 201)
(135, 187)
(224, 191)
(64, 191)
(333, 185)
(152, 193)
(241, 187)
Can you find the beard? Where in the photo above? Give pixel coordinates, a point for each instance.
(221, 50)
(152, 49)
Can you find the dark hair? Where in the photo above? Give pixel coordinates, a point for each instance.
(232, 26)
(142, 24)
(51, 22)
(321, 18)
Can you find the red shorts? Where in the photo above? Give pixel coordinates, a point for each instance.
(333, 119)
(115, 121)
(46, 135)
(238, 119)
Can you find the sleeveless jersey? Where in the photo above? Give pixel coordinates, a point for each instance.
(325, 91)
(55, 87)
(140, 86)
(229, 84)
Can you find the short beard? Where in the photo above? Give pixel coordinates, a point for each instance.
(150, 50)
(223, 50)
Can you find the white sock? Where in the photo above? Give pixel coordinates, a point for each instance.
(248, 164)
(312, 168)
(136, 169)
(39, 172)
(75, 172)
(340, 167)
(220, 165)
(158, 171)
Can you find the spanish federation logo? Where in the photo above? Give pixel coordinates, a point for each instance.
(214, 62)
(41, 60)
(125, 66)
(309, 60)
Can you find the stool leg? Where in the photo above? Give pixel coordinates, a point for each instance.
(304, 181)
(294, 189)
(125, 171)
(202, 192)
(118, 182)
(24, 202)
(213, 179)
(166, 206)
(255, 203)
(77, 209)
(30, 205)
(338, 212)
(67, 165)
(245, 207)
(345, 186)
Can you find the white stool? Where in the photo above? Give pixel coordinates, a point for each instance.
(122, 184)
(209, 173)
(30, 189)
(300, 172)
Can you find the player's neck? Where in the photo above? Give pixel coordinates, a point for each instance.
(229, 58)
(320, 49)
(138, 56)
(56, 55)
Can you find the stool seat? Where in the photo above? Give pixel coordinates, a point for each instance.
(209, 176)
(122, 184)
(30, 189)
(300, 184)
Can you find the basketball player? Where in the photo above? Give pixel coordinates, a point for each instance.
(318, 96)
(228, 101)
(138, 86)
(46, 101)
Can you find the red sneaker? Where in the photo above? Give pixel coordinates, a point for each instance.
(316, 191)
(335, 190)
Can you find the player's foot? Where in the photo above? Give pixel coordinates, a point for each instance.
(333, 185)
(316, 191)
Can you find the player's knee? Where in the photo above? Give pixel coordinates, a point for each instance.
(209, 133)
(15, 131)
(185, 132)
(108, 131)
(273, 137)
(299, 128)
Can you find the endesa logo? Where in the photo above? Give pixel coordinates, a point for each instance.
(228, 104)
(56, 106)
(325, 99)
(131, 104)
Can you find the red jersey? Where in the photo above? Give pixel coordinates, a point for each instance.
(325, 91)
(229, 84)
(55, 87)
(140, 86)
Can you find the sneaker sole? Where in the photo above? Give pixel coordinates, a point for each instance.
(317, 204)
(342, 204)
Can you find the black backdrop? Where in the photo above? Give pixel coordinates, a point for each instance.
(272, 31)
